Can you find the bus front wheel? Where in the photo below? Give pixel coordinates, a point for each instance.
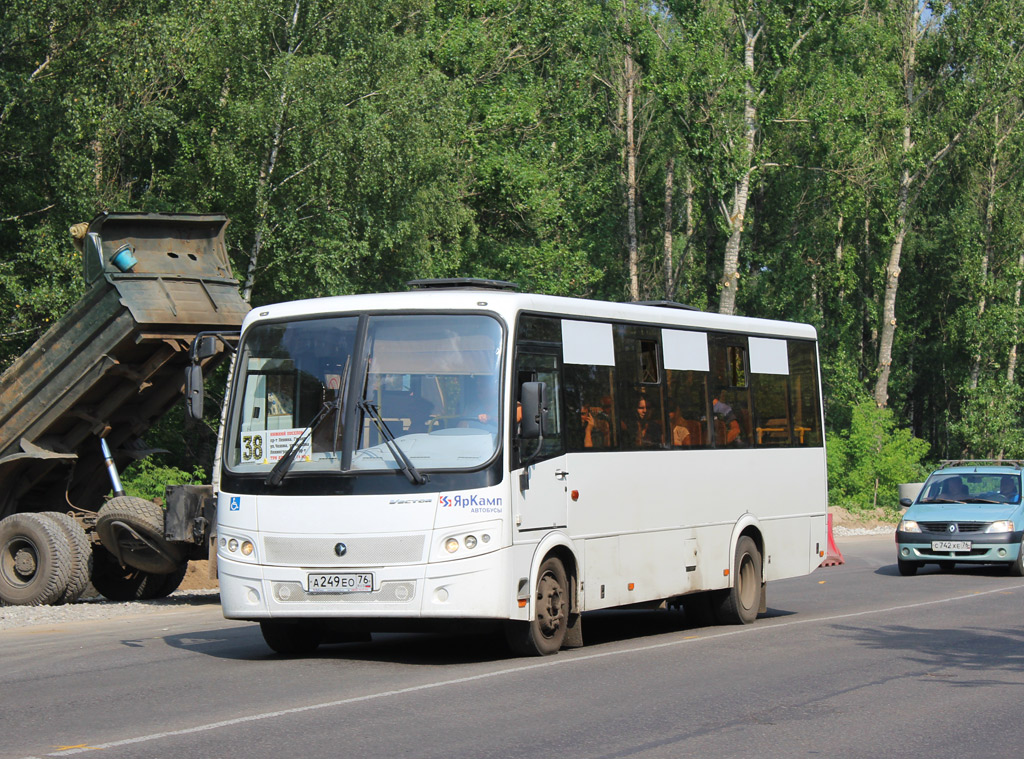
(739, 604)
(544, 634)
(297, 638)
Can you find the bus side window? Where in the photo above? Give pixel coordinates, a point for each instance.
(538, 367)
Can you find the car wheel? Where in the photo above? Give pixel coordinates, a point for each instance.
(908, 568)
(1017, 566)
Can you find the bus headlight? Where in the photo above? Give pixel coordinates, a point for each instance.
(908, 525)
(471, 542)
(1003, 525)
(238, 548)
(451, 545)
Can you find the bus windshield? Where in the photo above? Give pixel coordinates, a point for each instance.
(429, 381)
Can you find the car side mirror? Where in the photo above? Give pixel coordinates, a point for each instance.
(906, 502)
(534, 400)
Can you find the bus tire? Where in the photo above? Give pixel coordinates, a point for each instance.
(81, 555)
(545, 633)
(35, 560)
(147, 519)
(739, 604)
(292, 638)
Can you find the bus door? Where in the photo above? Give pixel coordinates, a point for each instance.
(540, 482)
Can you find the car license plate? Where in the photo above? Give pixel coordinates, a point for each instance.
(340, 582)
(951, 545)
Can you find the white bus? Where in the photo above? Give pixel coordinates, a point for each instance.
(463, 452)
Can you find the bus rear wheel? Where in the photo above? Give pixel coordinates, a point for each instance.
(545, 633)
(739, 604)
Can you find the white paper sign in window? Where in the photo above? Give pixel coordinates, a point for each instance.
(588, 343)
(768, 356)
(685, 351)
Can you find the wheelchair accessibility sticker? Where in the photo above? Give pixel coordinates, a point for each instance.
(236, 503)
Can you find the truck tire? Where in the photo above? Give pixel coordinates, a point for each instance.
(35, 560)
(161, 586)
(81, 555)
(147, 519)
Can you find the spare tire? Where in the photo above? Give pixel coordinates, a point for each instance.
(153, 554)
(35, 560)
(81, 555)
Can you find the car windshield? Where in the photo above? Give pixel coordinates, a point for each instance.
(972, 487)
(430, 381)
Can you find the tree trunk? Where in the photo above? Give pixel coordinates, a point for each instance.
(737, 212)
(631, 75)
(668, 263)
(892, 271)
(1011, 363)
(990, 191)
(263, 186)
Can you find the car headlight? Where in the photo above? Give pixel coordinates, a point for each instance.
(1003, 525)
(908, 525)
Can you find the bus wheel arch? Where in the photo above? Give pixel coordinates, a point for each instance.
(554, 606)
(741, 602)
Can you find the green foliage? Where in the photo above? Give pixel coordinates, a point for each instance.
(990, 423)
(356, 145)
(147, 479)
(868, 461)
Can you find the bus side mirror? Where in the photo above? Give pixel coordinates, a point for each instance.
(205, 347)
(534, 400)
(194, 391)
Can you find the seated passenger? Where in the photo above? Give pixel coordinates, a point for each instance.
(726, 420)
(954, 489)
(596, 430)
(1008, 490)
(680, 429)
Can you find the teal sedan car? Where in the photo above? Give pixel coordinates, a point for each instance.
(967, 512)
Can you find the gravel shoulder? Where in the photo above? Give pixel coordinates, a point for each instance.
(199, 589)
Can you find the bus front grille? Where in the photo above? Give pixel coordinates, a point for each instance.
(322, 551)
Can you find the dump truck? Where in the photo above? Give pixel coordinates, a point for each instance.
(75, 406)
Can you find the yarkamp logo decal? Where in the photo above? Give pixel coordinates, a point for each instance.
(477, 504)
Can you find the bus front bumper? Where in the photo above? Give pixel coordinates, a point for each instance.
(477, 587)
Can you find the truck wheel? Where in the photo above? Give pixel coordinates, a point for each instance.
(292, 638)
(118, 583)
(161, 586)
(35, 560)
(81, 555)
(145, 518)
(545, 633)
(738, 605)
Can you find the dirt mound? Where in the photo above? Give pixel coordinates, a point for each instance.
(198, 577)
(870, 519)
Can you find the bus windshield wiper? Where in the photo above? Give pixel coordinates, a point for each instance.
(404, 462)
(284, 464)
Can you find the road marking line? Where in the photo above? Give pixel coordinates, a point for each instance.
(765, 626)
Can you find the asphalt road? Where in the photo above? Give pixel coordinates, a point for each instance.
(851, 661)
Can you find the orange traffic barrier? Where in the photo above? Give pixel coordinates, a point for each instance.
(833, 556)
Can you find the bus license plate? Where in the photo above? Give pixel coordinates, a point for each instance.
(951, 545)
(340, 582)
